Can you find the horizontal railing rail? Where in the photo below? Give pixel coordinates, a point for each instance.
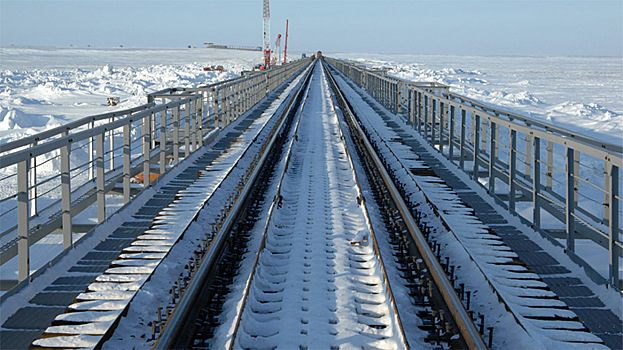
(564, 184)
(53, 176)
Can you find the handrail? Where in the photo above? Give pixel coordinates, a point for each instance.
(488, 143)
(28, 140)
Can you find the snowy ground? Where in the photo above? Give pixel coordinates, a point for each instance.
(41, 88)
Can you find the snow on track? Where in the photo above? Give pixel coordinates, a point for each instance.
(313, 287)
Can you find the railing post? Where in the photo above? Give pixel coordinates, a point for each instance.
(451, 134)
(550, 165)
(176, 134)
(91, 141)
(127, 153)
(419, 112)
(163, 141)
(536, 183)
(576, 179)
(512, 169)
(23, 245)
(66, 196)
(433, 114)
(426, 109)
(187, 130)
(194, 120)
(528, 160)
(492, 156)
(606, 204)
(146, 143)
(32, 175)
(476, 128)
(111, 147)
(613, 224)
(441, 125)
(570, 202)
(462, 146)
(99, 178)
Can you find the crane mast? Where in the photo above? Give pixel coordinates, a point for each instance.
(266, 34)
(277, 50)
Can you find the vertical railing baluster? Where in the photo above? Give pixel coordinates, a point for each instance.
(23, 222)
(111, 147)
(176, 134)
(451, 128)
(145, 147)
(549, 170)
(512, 169)
(613, 237)
(127, 158)
(187, 130)
(476, 128)
(492, 156)
(462, 145)
(163, 141)
(570, 202)
(536, 183)
(32, 176)
(66, 196)
(442, 112)
(99, 178)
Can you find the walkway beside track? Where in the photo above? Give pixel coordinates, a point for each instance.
(22, 326)
(591, 311)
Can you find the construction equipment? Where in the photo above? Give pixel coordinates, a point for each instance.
(266, 34)
(277, 50)
(285, 49)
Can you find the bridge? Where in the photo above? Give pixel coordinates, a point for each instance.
(317, 204)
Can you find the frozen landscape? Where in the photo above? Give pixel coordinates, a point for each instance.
(43, 87)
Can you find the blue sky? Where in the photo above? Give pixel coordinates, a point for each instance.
(489, 27)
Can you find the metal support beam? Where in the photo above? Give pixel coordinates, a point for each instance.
(512, 170)
(492, 156)
(613, 237)
(476, 128)
(23, 246)
(570, 202)
(99, 178)
(66, 197)
(176, 135)
(146, 148)
(536, 183)
(127, 153)
(462, 145)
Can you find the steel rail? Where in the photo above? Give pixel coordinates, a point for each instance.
(275, 201)
(337, 96)
(463, 321)
(179, 317)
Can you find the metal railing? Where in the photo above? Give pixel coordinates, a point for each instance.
(566, 185)
(50, 178)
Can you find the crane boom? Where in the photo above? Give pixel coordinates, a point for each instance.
(266, 18)
(285, 50)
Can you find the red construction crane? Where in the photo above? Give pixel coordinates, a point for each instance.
(277, 50)
(266, 34)
(285, 49)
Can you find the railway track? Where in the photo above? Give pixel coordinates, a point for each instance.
(305, 269)
(332, 234)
